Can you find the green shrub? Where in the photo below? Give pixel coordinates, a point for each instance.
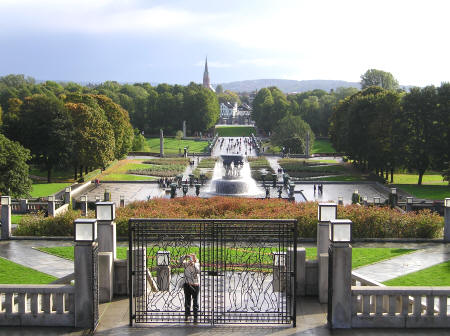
(38, 225)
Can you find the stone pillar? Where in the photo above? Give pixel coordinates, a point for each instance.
(107, 237)
(139, 267)
(301, 269)
(67, 195)
(323, 277)
(409, 203)
(163, 278)
(161, 143)
(323, 238)
(6, 217)
(84, 284)
(340, 285)
(23, 206)
(122, 201)
(446, 220)
(107, 196)
(84, 205)
(184, 128)
(105, 280)
(51, 206)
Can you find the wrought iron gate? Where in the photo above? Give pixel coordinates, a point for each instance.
(247, 270)
(95, 289)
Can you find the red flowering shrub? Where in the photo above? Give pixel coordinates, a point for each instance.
(368, 222)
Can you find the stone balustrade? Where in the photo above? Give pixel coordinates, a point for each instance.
(37, 305)
(400, 307)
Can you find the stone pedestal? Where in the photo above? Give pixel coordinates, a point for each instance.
(23, 206)
(106, 276)
(84, 208)
(279, 279)
(51, 208)
(84, 285)
(139, 266)
(447, 224)
(6, 222)
(163, 278)
(300, 271)
(107, 237)
(323, 238)
(323, 277)
(340, 296)
(67, 195)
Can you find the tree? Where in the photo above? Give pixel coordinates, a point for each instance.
(14, 178)
(46, 131)
(201, 108)
(374, 77)
(269, 107)
(219, 89)
(291, 133)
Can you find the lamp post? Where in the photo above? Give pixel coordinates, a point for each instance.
(185, 189)
(86, 272)
(340, 273)
(409, 203)
(325, 213)
(107, 196)
(263, 177)
(274, 180)
(173, 190)
(279, 271)
(6, 217)
(105, 212)
(51, 205)
(197, 189)
(376, 201)
(163, 270)
(122, 201)
(84, 205)
(67, 195)
(267, 192)
(393, 197)
(280, 191)
(447, 220)
(340, 200)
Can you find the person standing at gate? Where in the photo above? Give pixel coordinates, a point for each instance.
(191, 285)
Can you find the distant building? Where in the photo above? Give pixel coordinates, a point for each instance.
(232, 114)
(206, 80)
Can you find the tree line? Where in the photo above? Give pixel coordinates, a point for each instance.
(61, 125)
(384, 129)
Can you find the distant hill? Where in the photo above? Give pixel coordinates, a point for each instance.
(288, 85)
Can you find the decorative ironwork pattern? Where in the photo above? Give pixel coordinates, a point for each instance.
(239, 279)
(95, 288)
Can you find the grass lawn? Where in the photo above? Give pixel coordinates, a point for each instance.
(342, 178)
(127, 177)
(361, 256)
(365, 256)
(432, 192)
(235, 131)
(172, 146)
(15, 219)
(45, 189)
(438, 275)
(12, 273)
(323, 146)
(431, 178)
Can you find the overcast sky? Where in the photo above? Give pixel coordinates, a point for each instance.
(167, 41)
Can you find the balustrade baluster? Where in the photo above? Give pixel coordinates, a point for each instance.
(405, 305)
(355, 305)
(417, 305)
(59, 303)
(8, 303)
(21, 303)
(430, 305)
(46, 303)
(392, 305)
(34, 303)
(442, 305)
(366, 305)
(378, 304)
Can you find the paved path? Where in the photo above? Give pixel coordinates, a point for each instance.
(405, 264)
(23, 253)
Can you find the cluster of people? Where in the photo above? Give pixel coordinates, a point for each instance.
(319, 188)
(165, 182)
(237, 146)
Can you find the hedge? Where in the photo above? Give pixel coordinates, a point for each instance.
(368, 222)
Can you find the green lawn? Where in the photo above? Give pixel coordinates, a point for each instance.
(15, 219)
(45, 189)
(12, 273)
(323, 146)
(127, 177)
(174, 146)
(438, 275)
(361, 256)
(431, 178)
(432, 192)
(235, 131)
(365, 256)
(342, 178)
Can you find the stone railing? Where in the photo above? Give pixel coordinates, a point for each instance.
(37, 305)
(36, 206)
(23, 207)
(61, 209)
(400, 307)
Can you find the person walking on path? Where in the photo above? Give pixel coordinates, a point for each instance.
(191, 285)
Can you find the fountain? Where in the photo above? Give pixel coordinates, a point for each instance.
(236, 181)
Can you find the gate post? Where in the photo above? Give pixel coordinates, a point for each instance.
(447, 220)
(340, 274)
(86, 273)
(6, 217)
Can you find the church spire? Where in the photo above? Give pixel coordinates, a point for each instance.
(206, 82)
